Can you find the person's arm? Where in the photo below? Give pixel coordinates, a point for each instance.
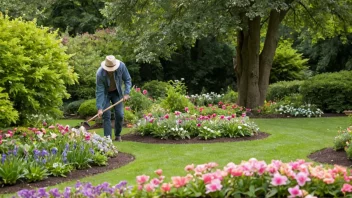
(99, 93)
(127, 80)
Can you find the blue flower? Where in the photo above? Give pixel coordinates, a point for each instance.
(44, 153)
(3, 158)
(54, 151)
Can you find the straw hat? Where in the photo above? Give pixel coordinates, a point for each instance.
(110, 64)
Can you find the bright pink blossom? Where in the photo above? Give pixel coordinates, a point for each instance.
(158, 172)
(179, 181)
(149, 187)
(142, 179)
(214, 186)
(52, 127)
(302, 178)
(186, 109)
(166, 187)
(177, 113)
(278, 180)
(145, 92)
(155, 182)
(346, 188)
(166, 116)
(189, 167)
(295, 191)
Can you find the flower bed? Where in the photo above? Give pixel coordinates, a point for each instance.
(251, 178)
(32, 154)
(184, 125)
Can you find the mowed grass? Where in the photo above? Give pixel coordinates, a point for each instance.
(290, 139)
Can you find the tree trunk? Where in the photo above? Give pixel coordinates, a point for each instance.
(252, 67)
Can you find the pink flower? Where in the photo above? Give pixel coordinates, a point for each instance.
(166, 187)
(189, 167)
(44, 124)
(127, 108)
(145, 92)
(179, 181)
(207, 178)
(223, 107)
(233, 115)
(198, 125)
(215, 185)
(244, 114)
(222, 117)
(346, 188)
(149, 187)
(138, 89)
(142, 179)
(159, 172)
(166, 116)
(177, 113)
(87, 136)
(278, 180)
(186, 109)
(214, 115)
(295, 192)
(52, 127)
(155, 182)
(302, 178)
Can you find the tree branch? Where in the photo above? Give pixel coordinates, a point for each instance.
(310, 15)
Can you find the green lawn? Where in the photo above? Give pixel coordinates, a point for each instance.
(290, 139)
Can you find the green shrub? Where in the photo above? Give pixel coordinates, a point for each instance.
(129, 117)
(288, 64)
(88, 108)
(230, 96)
(138, 102)
(340, 141)
(73, 107)
(8, 114)
(176, 99)
(156, 89)
(331, 92)
(279, 90)
(295, 100)
(34, 68)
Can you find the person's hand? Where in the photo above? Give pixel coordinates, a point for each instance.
(100, 113)
(126, 97)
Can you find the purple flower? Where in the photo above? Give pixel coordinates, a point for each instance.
(44, 153)
(121, 184)
(67, 192)
(42, 192)
(91, 151)
(26, 193)
(55, 192)
(36, 154)
(3, 158)
(54, 151)
(15, 151)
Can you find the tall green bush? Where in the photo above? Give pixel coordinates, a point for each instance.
(176, 99)
(8, 114)
(138, 102)
(288, 64)
(279, 90)
(34, 68)
(331, 92)
(156, 89)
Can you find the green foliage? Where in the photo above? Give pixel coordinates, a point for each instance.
(340, 141)
(129, 117)
(34, 68)
(73, 107)
(279, 90)
(35, 172)
(176, 99)
(156, 89)
(87, 108)
(99, 159)
(331, 92)
(230, 96)
(138, 101)
(288, 64)
(60, 169)
(11, 169)
(80, 155)
(8, 114)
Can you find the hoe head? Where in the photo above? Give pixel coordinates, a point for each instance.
(85, 125)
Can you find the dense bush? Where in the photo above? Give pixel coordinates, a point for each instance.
(138, 101)
(33, 67)
(8, 114)
(230, 96)
(279, 90)
(88, 108)
(288, 64)
(176, 99)
(156, 89)
(331, 92)
(73, 107)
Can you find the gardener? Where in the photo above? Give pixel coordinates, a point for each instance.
(109, 79)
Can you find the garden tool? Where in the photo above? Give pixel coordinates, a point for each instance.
(86, 124)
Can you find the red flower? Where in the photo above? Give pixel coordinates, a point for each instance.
(145, 92)
(166, 116)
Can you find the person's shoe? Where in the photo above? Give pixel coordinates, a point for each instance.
(118, 139)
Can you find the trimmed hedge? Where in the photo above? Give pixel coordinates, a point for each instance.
(87, 108)
(156, 89)
(279, 90)
(73, 107)
(331, 92)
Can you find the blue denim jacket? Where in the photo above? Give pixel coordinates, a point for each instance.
(103, 84)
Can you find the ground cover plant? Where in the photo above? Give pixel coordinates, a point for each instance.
(33, 154)
(250, 178)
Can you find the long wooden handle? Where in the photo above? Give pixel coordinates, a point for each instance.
(118, 102)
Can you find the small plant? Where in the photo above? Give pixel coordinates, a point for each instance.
(208, 133)
(60, 169)
(99, 159)
(343, 137)
(11, 169)
(176, 99)
(35, 172)
(80, 155)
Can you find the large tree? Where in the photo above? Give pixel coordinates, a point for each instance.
(156, 27)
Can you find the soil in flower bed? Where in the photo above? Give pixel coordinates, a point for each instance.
(116, 162)
(148, 139)
(330, 156)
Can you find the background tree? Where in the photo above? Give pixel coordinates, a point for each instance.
(158, 27)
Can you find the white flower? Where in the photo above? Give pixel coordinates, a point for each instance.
(239, 127)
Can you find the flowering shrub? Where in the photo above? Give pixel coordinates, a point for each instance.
(32, 154)
(251, 178)
(206, 99)
(306, 110)
(343, 141)
(183, 125)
